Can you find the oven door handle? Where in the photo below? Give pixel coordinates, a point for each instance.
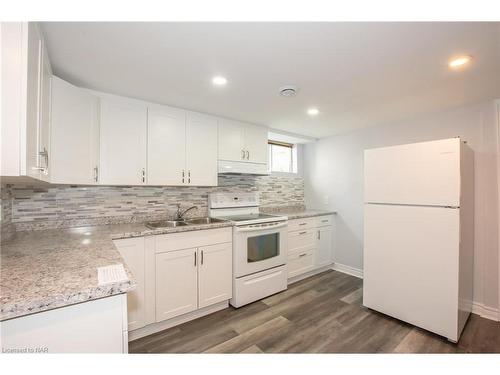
(254, 229)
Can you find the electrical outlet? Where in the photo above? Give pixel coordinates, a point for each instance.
(326, 200)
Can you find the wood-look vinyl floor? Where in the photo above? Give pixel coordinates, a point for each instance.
(321, 314)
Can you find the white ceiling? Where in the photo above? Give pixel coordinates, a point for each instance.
(357, 74)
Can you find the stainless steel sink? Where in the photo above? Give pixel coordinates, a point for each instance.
(165, 224)
(204, 220)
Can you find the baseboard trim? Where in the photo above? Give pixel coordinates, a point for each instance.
(308, 274)
(169, 323)
(486, 312)
(348, 270)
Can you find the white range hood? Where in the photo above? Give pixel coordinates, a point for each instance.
(238, 167)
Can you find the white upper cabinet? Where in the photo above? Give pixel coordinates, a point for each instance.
(74, 135)
(44, 151)
(166, 146)
(182, 147)
(201, 150)
(231, 141)
(33, 101)
(26, 76)
(242, 142)
(256, 144)
(12, 92)
(123, 142)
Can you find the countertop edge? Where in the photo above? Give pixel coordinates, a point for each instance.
(182, 229)
(83, 296)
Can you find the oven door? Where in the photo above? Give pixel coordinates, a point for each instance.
(259, 248)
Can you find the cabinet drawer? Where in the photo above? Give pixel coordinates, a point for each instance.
(301, 224)
(323, 221)
(300, 262)
(192, 239)
(301, 239)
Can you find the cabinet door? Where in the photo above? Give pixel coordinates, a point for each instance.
(166, 146)
(231, 140)
(132, 252)
(256, 144)
(301, 262)
(324, 253)
(176, 283)
(215, 274)
(201, 150)
(33, 87)
(123, 142)
(44, 152)
(73, 128)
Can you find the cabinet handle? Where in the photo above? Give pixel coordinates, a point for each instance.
(302, 232)
(189, 176)
(319, 235)
(183, 175)
(302, 223)
(45, 155)
(195, 258)
(96, 174)
(302, 255)
(248, 155)
(202, 257)
(243, 154)
(143, 173)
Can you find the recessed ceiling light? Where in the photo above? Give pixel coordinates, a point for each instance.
(219, 81)
(312, 111)
(459, 61)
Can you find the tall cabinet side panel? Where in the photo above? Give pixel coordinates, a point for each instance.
(466, 261)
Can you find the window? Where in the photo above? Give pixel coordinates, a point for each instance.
(282, 157)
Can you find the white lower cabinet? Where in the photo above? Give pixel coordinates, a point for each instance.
(300, 262)
(324, 254)
(193, 278)
(97, 326)
(132, 251)
(176, 283)
(310, 244)
(215, 274)
(177, 274)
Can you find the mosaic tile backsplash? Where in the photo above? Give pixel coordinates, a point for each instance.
(58, 206)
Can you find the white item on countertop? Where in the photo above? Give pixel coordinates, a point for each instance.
(111, 274)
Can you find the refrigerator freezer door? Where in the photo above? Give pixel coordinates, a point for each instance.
(426, 173)
(411, 265)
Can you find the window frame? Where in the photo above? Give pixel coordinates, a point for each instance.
(293, 170)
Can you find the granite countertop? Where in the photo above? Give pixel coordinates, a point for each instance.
(46, 269)
(294, 212)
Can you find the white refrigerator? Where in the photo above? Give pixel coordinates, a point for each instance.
(419, 234)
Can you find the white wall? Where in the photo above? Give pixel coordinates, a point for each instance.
(333, 171)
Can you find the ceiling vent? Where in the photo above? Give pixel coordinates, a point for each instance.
(289, 91)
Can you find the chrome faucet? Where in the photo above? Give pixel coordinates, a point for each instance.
(179, 215)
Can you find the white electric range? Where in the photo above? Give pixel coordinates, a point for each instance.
(259, 246)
